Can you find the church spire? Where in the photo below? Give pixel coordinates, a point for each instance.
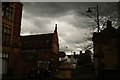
(55, 28)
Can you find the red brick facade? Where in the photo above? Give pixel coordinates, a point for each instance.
(42, 47)
(11, 26)
(21, 53)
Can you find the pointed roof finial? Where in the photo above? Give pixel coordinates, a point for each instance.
(55, 27)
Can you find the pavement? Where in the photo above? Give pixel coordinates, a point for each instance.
(50, 77)
(83, 72)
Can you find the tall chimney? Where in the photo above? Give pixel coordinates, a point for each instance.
(74, 53)
(109, 23)
(80, 52)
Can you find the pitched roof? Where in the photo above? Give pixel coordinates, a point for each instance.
(109, 31)
(37, 41)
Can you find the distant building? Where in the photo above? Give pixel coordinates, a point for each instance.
(85, 58)
(62, 54)
(71, 59)
(107, 48)
(11, 26)
(41, 47)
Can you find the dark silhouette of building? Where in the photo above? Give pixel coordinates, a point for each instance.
(62, 54)
(107, 49)
(84, 58)
(11, 26)
(41, 47)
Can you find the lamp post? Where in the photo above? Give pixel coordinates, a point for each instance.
(89, 11)
(97, 71)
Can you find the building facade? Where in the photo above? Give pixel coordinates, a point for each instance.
(11, 26)
(22, 53)
(37, 48)
(107, 48)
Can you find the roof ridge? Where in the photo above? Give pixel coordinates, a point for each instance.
(38, 34)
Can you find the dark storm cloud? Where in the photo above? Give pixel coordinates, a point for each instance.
(55, 10)
(41, 17)
(52, 9)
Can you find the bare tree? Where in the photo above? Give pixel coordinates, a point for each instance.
(108, 12)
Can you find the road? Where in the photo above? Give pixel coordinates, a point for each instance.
(82, 72)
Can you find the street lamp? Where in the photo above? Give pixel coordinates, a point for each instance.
(89, 11)
(97, 71)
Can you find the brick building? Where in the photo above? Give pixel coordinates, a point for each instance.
(11, 26)
(41, 47)
(107, 48)
(21, 53)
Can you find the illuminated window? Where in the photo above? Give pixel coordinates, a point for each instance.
(4, 55)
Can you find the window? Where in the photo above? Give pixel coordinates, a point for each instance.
(6, 35)
(5, 29)
(9, 31)
(5, 55)
(7, 10)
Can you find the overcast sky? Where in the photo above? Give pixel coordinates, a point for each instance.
(40, 18)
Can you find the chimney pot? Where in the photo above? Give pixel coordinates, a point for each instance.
(80, 52)
(109, 23)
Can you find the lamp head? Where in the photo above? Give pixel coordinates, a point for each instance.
(89, 11)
